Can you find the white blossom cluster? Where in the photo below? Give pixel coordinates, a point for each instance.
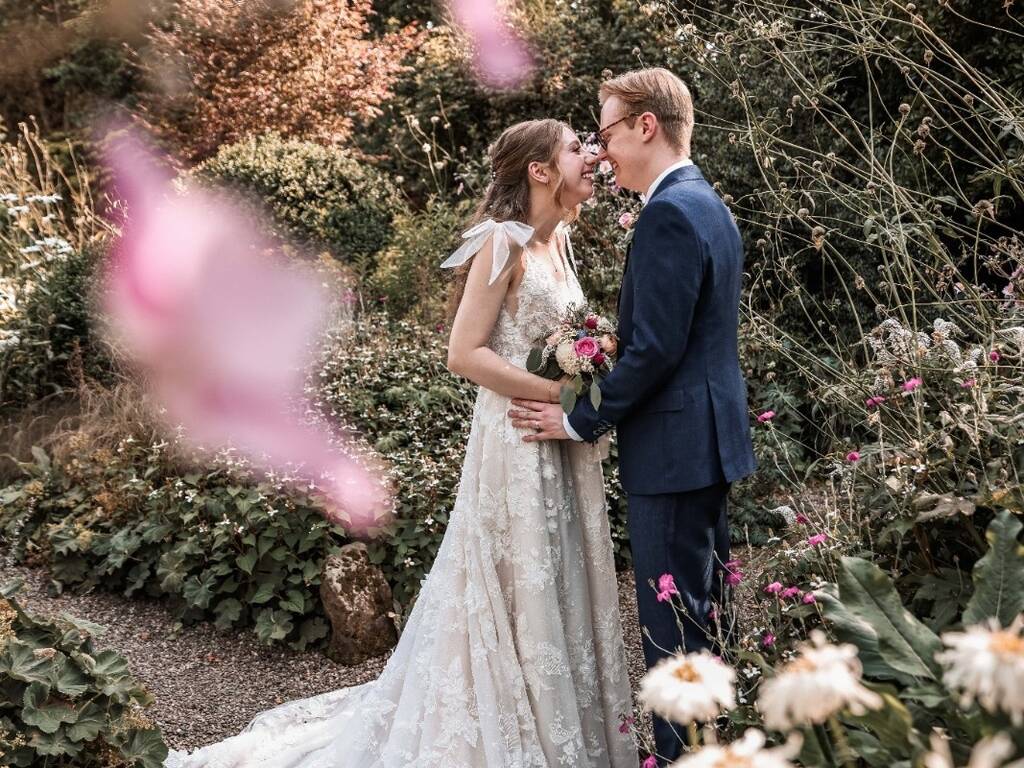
(894, 344)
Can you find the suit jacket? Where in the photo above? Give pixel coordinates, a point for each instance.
(676, 395)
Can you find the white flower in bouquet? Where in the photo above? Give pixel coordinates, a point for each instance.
(986, 663)
(567, 358)
(691, 688)
(821, 681)
(746, 752)
(987, 753)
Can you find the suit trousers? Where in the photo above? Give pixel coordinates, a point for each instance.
(685, 535)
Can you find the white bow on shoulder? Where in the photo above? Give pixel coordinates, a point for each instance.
(476, 237)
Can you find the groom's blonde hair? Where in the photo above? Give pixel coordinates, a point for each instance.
(658, 91)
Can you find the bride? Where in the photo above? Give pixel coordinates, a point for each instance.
(512, 656)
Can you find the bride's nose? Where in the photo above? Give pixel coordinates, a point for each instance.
(589, 158)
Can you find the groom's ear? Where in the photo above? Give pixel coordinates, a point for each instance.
(648, 126)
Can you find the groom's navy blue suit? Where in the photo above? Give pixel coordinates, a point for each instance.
(679, 402)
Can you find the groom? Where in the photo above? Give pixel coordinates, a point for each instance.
(676, 396)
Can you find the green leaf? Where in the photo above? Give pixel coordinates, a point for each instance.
(144, 748)
(247, 561)
(892, 724)
(999, 575)
(42, 712)
(69, 679)
(55, 744)
(87, 727)
(595, 395)
(273, 625)
(263, 594)
(567, 398)
(19, 662)
(110, 665)
(227, 611)
(534, 360)
(903, 642)
(294, 602)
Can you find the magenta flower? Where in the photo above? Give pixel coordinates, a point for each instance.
(626, 723)
(817, 539)
(767, 640)
(766, 416)
(801, 518)
(591, 322)
(713, 614)
(666, 583)
(626, 220)
(650, 762)
(774, 588)
(874, 402)
(734, 578)
(809, 598)
(994, 356)
(968, 384)
(853, 457)
(586, 347)
(911, 384)
(501, 57)
(790, 592)
(221, 329)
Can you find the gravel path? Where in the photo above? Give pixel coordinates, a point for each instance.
(208, 684)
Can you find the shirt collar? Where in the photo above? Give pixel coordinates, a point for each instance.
(675, 166)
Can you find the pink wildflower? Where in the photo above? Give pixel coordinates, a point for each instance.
(766, 416)
(790, 592)
(874, 402)
(801, 518)
(817, 539)
(774, 588)
(666, 587)
(713, 614)
(626, 220)
(809, 598)
(968, 384)
(994, 356)
(626, 722)
(650, 762)
(767, 640)
(911, 384)
(853, 457)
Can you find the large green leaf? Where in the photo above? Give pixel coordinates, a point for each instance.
(146, 748)
(68, 678)
(904, 643)
(892, 724)
(54, 744)
(91, 720)
(44, 712)
(999, 575)
(850, 628)
(19, 661)
(110, 665)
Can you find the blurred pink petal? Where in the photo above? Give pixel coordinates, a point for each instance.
(223, 330)
(502, 59)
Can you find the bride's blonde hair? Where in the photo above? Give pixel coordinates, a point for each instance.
(507, 197)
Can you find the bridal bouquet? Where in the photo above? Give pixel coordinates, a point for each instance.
(582, 347)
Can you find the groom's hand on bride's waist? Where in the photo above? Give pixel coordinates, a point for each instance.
(542, 420)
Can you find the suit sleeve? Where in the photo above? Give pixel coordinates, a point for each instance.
(667, 269)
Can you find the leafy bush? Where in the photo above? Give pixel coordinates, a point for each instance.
(64, 702)
(50, 244)
(305, 69)
(328, 197)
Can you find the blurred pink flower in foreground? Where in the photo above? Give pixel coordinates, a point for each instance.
(222, 331)
(501, 57)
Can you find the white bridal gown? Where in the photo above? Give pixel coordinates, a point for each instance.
(513, 655)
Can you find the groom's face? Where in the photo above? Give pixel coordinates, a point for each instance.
(622, 145)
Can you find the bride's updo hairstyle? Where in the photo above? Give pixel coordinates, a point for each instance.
(507, 197)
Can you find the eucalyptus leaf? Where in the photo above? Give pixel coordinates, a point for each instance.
(999, 575)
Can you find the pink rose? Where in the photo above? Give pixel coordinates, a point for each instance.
(586, 347)
(598, 359)
(874, 402)
(853, 457)
(817, 539)
(626, 220)
(766, 416)
(774, 588)
(911, 384)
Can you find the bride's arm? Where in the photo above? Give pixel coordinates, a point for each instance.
(468, 354)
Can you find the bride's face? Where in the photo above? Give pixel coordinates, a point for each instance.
(576, 165)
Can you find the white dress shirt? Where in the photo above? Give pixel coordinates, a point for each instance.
(650, 192)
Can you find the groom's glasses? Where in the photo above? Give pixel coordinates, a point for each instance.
(598, 137)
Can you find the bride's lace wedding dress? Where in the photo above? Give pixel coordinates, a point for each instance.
(512, 656)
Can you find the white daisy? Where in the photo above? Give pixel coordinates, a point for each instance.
(821, 681)
(987, 753)
(747, 752)
(986, 663)
(690, 688)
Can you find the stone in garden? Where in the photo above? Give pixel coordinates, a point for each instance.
(358, 602)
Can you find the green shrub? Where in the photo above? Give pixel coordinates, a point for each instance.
(326, 197)
(64, 702)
